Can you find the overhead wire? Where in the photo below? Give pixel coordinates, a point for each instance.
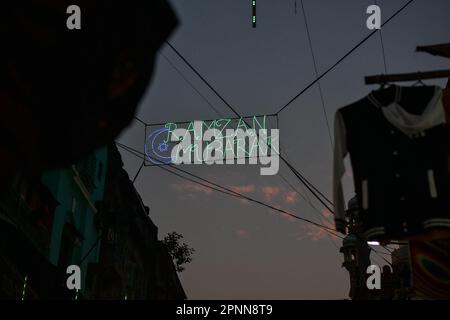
(139, 120)
(227, 190)
(316, 71)
(304, 196)
(323, 220)
(359, 44)
(210, 104)
(202, 78)
(319, 214)
(322, 217)
(314, 190)
(305, 181)
(139, 171)
(217, 187)
(177, 70)
(309, 186)
(383, 51)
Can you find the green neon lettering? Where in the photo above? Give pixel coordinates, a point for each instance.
(257, 123)
(229, 146)
(211, 125)
(227, 121)
(191, 128)
(242, 123)
(171, 126)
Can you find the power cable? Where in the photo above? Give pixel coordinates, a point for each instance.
(214, 186)
(195, 89)
(298, 174)
(203, 79)
(309, 186)
(190, 84)
(210, 104)
(321, 217)
(228, 191)
(139, 171)
(382, 48)
(343, 57)
(316, 71)
(139, 120)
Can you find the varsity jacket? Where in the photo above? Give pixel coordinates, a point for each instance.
(399, 161)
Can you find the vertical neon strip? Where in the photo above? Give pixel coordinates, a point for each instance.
(254, 13)
(25, 281)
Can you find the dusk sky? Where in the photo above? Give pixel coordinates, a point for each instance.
(244, 250)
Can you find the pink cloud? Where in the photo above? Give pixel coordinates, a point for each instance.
(244, 201)
(190, 187)
(288, 217)
(243, 189)
(270, 192)
(280, 214)
(291, 197)
(243, 233)
(316, 233)
(326, 213)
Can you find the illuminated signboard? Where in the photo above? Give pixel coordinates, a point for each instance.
(231, 138)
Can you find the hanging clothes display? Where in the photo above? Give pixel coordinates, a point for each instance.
(398, 145)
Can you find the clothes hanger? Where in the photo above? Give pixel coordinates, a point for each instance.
(384, 84)
(419, 82)
(406, 77)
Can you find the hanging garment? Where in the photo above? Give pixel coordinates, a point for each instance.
(398, 146)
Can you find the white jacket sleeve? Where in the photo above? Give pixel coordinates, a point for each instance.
(340, 151)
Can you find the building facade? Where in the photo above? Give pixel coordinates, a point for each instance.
(89, 215)
(27, 212)
(76, 229)
(133, 264)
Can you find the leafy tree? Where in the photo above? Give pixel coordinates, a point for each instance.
(181, 253)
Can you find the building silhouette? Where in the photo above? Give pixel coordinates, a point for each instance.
(395, 278)
(90, 215)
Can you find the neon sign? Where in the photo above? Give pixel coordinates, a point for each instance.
(212, 141)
